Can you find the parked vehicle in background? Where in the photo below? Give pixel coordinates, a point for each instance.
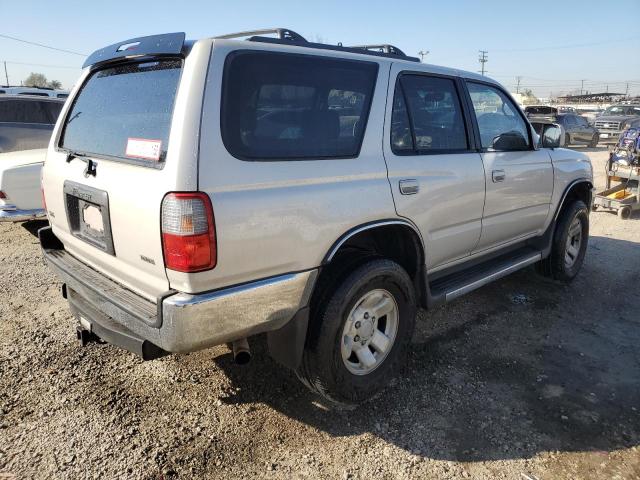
(203, 192)
(20, 196)
(541, 112)
(26, 122)
(567, 109)
(611, 123)
(577, 130)
(590, 113)
(34, 91)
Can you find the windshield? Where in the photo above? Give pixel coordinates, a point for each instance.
(622, 110)
(124, 112)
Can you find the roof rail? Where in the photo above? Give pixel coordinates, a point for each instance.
(283, 34)
(383, 48)
(287, 36)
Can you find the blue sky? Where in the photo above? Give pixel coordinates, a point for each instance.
(552, 45)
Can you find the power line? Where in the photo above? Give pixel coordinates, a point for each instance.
(39, 65)
(42, 45)
(559, 47)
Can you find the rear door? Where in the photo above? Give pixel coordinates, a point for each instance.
(519, 178)
(116, 156)
(436, 177)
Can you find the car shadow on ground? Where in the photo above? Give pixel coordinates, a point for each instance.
(523, 366)
(32, 226)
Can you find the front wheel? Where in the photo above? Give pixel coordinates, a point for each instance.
(594, 141)
(359, 336)
(569, 243)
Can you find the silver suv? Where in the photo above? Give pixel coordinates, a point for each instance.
(201, 193)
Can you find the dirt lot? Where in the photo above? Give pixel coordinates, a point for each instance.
(522, 379)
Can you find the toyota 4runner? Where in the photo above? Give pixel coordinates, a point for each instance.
(201, 193)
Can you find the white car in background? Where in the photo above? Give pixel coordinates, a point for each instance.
(20, 196)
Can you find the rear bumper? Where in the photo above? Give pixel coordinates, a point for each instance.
(10, 213)
(177, 322)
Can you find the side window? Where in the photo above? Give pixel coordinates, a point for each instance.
(401, 137)
(501, 126)
(283, 106)
(570, 120)
(434, 114)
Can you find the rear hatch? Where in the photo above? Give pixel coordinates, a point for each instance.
(113, 158)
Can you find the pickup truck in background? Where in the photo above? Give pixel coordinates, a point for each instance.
(26, 122)
(20, 197)
(614, 120)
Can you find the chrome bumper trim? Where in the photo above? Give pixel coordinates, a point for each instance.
(193, 322)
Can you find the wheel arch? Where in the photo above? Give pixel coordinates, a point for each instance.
(579, 189)
(396, 239)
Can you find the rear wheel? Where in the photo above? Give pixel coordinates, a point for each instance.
(359, 335)
(569, 243)
(567, 139)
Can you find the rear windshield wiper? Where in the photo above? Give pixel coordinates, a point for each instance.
(91, 165)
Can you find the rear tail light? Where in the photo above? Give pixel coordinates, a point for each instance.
(2, 195)
(188, 232)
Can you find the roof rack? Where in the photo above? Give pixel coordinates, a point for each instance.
(283, 34)
(383, 48)
(288, 36)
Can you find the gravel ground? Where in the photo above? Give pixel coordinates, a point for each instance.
(522, 379)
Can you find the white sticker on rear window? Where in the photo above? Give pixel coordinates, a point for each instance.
(143, 148)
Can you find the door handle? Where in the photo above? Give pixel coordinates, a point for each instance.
(409, 186)
(497, 176)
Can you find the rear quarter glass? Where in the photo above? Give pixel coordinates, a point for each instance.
(124, 112)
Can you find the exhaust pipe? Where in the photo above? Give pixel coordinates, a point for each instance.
(241, 351)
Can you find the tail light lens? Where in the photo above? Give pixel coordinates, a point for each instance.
(188, 232)
(2, 195)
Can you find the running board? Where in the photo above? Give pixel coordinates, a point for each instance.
(450, 287)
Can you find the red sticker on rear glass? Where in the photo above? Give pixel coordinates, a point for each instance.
(143, 148)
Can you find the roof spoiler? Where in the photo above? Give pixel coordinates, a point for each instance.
(164, 44)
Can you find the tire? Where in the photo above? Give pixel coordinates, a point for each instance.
(564, 263)
(333, 334)
(594, 141)
(567, 140)
(624, 213)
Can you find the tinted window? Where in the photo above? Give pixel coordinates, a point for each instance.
(570, 120)
(53, 109)
(502, 128)
(401, 136)
(62, 95)
(24, 111)
(435, 113)
(124, 104)
(277, 106)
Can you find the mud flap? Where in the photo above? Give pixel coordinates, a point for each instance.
(287, 343)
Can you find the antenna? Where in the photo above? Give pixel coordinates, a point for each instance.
(483, 59)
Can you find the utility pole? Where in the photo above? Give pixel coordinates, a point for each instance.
(626, 93)
(423, 53)
(5, 73)
(581, 86)
(483, 59)
(518, 79)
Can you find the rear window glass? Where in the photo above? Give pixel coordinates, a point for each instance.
(25, 111)
(280, 106)
(124, 112)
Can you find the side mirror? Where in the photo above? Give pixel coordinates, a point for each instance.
(551, 135)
